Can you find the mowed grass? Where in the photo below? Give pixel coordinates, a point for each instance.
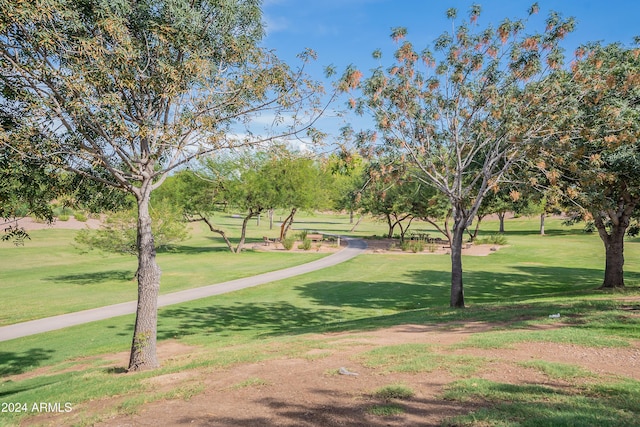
(51, 275)
(515, 288)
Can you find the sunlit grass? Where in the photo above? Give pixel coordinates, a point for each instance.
(512, 291)
(536, 405)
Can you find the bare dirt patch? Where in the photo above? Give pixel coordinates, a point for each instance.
(71, 224)
(308, 390)
(379, 246)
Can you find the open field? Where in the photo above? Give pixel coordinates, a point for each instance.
(270, 355)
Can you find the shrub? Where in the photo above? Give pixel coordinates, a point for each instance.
(494, 239)
(63, 217)
(306, 244)
(118, 232)
(412, 245)
(79, 216)
(288, 243)
(303, 235)
(417, 246)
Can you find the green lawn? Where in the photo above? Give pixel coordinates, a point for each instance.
(518, 286)
(51, 275)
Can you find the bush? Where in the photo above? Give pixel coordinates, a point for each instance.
(63, 217)
(303, 235)
(414, 246)
(494, 239)
(288, 243)
(118, 233)
(306, 244)
(79, 216)
(417, 246)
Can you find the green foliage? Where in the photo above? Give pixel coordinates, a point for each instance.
(305, 245)
(15, 234)
(594, 159)
(493, 239)
(414, 246)
(288, 242)
(80, 216)
(119, 232)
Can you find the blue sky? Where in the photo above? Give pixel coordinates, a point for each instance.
(344, 32)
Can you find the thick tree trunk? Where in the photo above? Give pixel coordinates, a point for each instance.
(143, 348)
(457, 290)
(614, 271)
(614, 250)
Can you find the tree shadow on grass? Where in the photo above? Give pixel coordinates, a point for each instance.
(192, 250)
(523, 283)
(270, 318)
(217, 246)
(94, 278)
(487, 292)
(425, 288)
(553, 232)
(330, 407)
(384, 295)
(12, 363)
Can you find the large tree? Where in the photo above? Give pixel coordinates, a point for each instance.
(461, 111)
(595, 159)
(137, 88)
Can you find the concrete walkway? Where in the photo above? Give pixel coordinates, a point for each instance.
(355, 247)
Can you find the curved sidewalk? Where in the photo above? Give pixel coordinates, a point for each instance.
(355, 247)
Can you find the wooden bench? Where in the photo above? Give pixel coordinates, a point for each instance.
(315, 237)
(267, 241)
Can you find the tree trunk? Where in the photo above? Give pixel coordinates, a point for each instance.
(457, 290)
(243, 232)
(501, 216)
(474, 235)
(614, 250)
(284, 228)
(542, 216)
(271, 219)
(356, 224)
(390, 225)
(143, 348)
(221, 232)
